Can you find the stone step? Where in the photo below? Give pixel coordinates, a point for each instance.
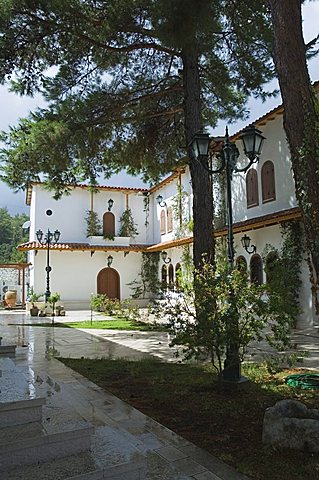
(32, 444)
(8, 350)
(18, 402)
(64, 469)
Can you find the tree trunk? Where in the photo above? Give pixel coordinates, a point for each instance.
(301, 121)
(203, 243)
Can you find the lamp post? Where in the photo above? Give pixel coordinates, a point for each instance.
(246, 243)
(165, 259)
(252, 142)
(160, 201)
(109, 261)
(47, 240)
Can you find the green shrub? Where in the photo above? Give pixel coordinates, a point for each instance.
(114, 307)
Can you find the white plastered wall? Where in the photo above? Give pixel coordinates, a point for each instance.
(275, 148)
(74, 274)
(272, 236)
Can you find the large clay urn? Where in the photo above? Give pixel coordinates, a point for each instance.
(11, 298)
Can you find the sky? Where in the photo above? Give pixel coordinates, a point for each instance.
(14, 107)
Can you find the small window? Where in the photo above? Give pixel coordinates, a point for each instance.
(241, 264)
(256, 269)
(108, 224)
(268, 188)
(169, 220)
(163, 222)
(164, 277)
(178, 272)
(171, 276)
(252, 188)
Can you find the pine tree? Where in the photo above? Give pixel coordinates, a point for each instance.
(129, 82)
(301, 121)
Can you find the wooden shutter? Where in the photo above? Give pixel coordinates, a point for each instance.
(252, 188)
(171, 276)
(163, 222)
(169, 220)
(268, 188)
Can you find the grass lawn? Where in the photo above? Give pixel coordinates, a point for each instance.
(114, 324)
(188, 400)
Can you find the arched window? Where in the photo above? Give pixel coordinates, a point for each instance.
(108, 224)
(241, 264)
(268, 188)
(169, 220)
(252, 188)
(256, 269)
(178, 271)
(163, 222)
(171, 276)
(270, 265)
(164, 277)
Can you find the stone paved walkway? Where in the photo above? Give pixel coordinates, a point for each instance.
(127, 445)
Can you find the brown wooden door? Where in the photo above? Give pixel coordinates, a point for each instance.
(108, 224)
(108, 282)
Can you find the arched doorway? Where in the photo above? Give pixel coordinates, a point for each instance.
(164, 277)
(256, 269)
(108, 282)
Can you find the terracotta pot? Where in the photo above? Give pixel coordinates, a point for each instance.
(11, 298)
(34, 311)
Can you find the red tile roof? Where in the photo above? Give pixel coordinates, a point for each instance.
(73, 246)
(244, 226)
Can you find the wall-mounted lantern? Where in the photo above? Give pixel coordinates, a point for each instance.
(109, 261)
(245, 241)
(165, 258)
(110, 204)
(160, 201)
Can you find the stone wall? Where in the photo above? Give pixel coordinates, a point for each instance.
(9, 280)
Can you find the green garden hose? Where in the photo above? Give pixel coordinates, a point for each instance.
(303, 380)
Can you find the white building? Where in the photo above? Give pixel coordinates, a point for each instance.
(263, 198)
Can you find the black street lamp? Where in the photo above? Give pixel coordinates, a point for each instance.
(109, 261)
(160, 201)
(252, 142)
(48, 239)
(246, 243)
(165, 258)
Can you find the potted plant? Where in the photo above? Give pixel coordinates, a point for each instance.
(94, 227)
(52, 300)
(128, 226)
(34, 297)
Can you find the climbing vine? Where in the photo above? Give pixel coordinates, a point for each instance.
(282, 269)
(183, 224)
(219, 193)
(186, 274)
(305, 178)
(146, 209)
(147, 283)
